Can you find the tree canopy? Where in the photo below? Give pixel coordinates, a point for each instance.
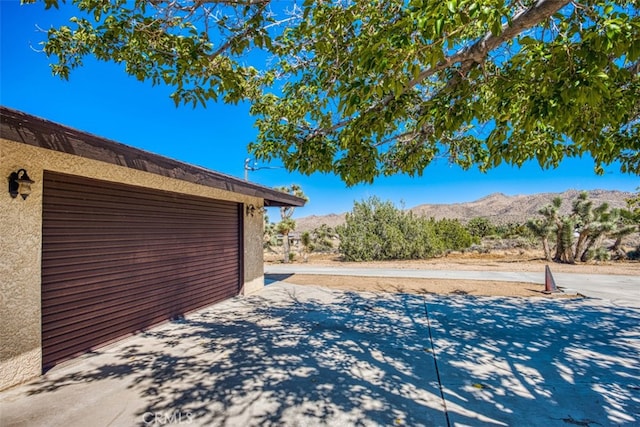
(379, 87)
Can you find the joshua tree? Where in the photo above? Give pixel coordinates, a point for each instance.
(579, 233)
(564, 243)
(269, 239)
(284, 227)
(629, 223)
(543, 229)
(604, 221)
(583, 210)
(307, 245)
(323, 237)
(550, 223)
(287, 224)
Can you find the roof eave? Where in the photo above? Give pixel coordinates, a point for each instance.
(25, 128)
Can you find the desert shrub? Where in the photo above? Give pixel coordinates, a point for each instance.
(377, 230)
(597, 254)
(424, 239)
(480, 227)
(372, 231)
(481, 249)
(454, 235)
(322, 238)
(513, 230)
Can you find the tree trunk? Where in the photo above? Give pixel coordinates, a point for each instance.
(580, 250)
(568, 256)
(594, 241)
(564, 248)
(285, 247)
(559, 246)
(547, 249)
(617, 249)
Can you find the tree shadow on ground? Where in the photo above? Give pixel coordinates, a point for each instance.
(283, 357)
(537, 361)
(308, 356)
(273, 278)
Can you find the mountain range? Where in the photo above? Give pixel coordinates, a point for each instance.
(497, 207)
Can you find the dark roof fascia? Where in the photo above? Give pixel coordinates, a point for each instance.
(21, 127)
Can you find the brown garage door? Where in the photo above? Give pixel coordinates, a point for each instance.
(117, 259)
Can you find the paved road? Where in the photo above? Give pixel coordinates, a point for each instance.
(620, 290)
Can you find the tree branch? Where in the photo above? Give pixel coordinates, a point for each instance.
(469, 56)
(247, 30)
(477, 52)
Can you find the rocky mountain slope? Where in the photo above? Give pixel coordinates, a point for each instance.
(497, 207)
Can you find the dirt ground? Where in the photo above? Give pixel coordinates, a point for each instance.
(516, 260)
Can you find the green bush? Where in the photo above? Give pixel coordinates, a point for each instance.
(454, 235)
(377, 230)
(322, 238)
(513, 230)
(480, 227)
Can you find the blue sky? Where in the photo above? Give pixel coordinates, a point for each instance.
(101, 99)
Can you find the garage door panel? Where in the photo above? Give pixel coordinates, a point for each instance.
(61, 300)
(114, 209)
(71, 250)
(90, 254)
(96, 277)
(86, 273)
(118, 326)
(59, 349)
(79, 188)
(115, 212)
(62, 316)
(118, 259)
(120, 228)
(126, 225)
(108, 311)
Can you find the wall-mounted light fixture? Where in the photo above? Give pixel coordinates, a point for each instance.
(251, 210)
(20, 183)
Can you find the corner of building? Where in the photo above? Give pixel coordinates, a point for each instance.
(20, 264)
(253, 248)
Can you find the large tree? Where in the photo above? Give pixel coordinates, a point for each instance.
(364, 88)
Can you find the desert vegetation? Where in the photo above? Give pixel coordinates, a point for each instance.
(581, 234)
(377, 230)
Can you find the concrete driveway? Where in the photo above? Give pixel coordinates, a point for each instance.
(307, 356)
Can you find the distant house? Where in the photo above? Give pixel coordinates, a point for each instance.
(110, 240)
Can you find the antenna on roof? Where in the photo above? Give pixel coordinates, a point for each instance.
(248, 167)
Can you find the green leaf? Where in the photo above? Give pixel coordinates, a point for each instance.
(438, 26)
(364, 89)
(452, 5)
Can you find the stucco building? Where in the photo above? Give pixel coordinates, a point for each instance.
(109, 240)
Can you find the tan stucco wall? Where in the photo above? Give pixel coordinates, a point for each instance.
(21, 244)
(253, 249)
